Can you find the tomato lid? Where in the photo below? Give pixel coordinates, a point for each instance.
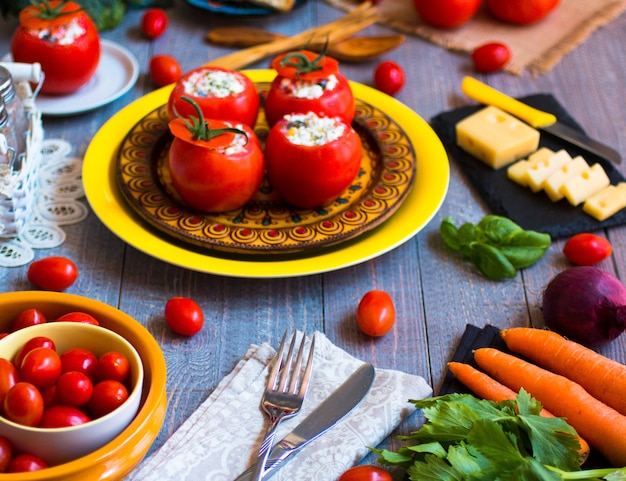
(49, 13)
(222, 133)
(305, 65)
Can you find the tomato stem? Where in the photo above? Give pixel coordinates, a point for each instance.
(301, 62)
(199, 128)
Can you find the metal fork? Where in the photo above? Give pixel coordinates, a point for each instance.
(286, 386)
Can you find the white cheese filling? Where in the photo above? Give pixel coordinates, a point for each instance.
(238, 144)
(213, 83)
(311, 130)
(309, 89)
(63, 35)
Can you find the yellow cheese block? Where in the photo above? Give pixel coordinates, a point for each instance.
(552, 185)
(496, 137)
(606, 202)
(519, 170)
(582, 186)
(542, 170)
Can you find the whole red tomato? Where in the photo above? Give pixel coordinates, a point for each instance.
(323, 170)
(9, 377)
(376, 313)
(220, 93)
(107, 396)
(23, 404)
(587, 249)
(300, 87)
(521, 12)
(81, 360)
(114, 365)
(28, 317)
(63, 39)
(23, 463)
(63, 416)
(154, 22)
(54, 273)
(447, 13)
(164, 70)
(6, 453)
(184, 316)
(78, 316)
(365, 473)
(491, 56)
(73, 389)
(41, 367)
(216, 166)
(389, 77)
(39, 341)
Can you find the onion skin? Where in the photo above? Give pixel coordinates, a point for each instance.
(586, 305)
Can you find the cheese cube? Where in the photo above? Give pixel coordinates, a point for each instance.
(582, 186)
(552, 185)
(606, 202)
(542, 170)
(496, 137)
(518, 171)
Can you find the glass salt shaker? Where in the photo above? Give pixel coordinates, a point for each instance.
(8, 143)
(18, 117)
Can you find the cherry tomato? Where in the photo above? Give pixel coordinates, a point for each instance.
(39, 341)
(26, 318)
(184, 316)
(587, 249)
(154, 22)
(73, 389)
(322, 172)
(81, 360)
(68, 66)
(9, 377)
(63, 416)
(209, 177)
(491, 57)
(41, 367)
(164, 70)
(365, 473)
(54, 273)
(447, 13)
(23, 463)
(79, 317)
(107, 396)
(282, 98)
(389, 77)
(521, 12)
(376, 313)
(6, 453)
(238, 104)
(23, 404)
(113, 365)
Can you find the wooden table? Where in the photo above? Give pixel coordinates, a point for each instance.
(435, 292)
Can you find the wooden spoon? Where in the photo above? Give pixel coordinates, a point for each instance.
(353, 49)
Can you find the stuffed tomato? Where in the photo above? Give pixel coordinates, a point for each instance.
(215, 165)
(310, 159)
(221, 94)
(63, 39)
(308, 82)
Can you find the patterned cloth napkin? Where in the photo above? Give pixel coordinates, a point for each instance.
(221, 438)
(535, 48)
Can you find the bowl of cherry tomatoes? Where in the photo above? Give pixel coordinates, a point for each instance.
(85, 396)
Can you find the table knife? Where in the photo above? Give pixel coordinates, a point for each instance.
(324, 417)
(538, 119)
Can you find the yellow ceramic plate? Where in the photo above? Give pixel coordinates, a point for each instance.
(428, 192)
(267, 225)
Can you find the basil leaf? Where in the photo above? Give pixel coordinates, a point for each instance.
(449, 233)
(491, 262)
(525, 248)
(497, 228)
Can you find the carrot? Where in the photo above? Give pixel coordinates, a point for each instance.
(488, 388)
(602, 377)
(602, 426)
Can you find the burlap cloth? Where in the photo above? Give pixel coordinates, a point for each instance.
(535, 48)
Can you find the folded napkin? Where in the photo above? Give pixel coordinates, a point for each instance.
(221, 438)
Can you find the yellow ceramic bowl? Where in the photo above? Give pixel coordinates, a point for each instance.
(116, 459)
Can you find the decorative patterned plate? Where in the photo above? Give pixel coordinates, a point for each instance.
(236, 7)
(420, 206)
(267, 225)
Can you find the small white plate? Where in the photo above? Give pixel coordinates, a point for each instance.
(117, 72)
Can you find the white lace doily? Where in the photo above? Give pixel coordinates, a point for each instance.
(56, 203)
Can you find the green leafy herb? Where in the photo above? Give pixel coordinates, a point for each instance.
(496, 245)
(466, 438)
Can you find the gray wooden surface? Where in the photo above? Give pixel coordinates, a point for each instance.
(436, 293)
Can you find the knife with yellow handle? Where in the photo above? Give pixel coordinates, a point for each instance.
(538, 119)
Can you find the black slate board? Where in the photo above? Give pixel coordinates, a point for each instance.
(532, 211)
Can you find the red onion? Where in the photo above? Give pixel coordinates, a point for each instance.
(585, 304)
